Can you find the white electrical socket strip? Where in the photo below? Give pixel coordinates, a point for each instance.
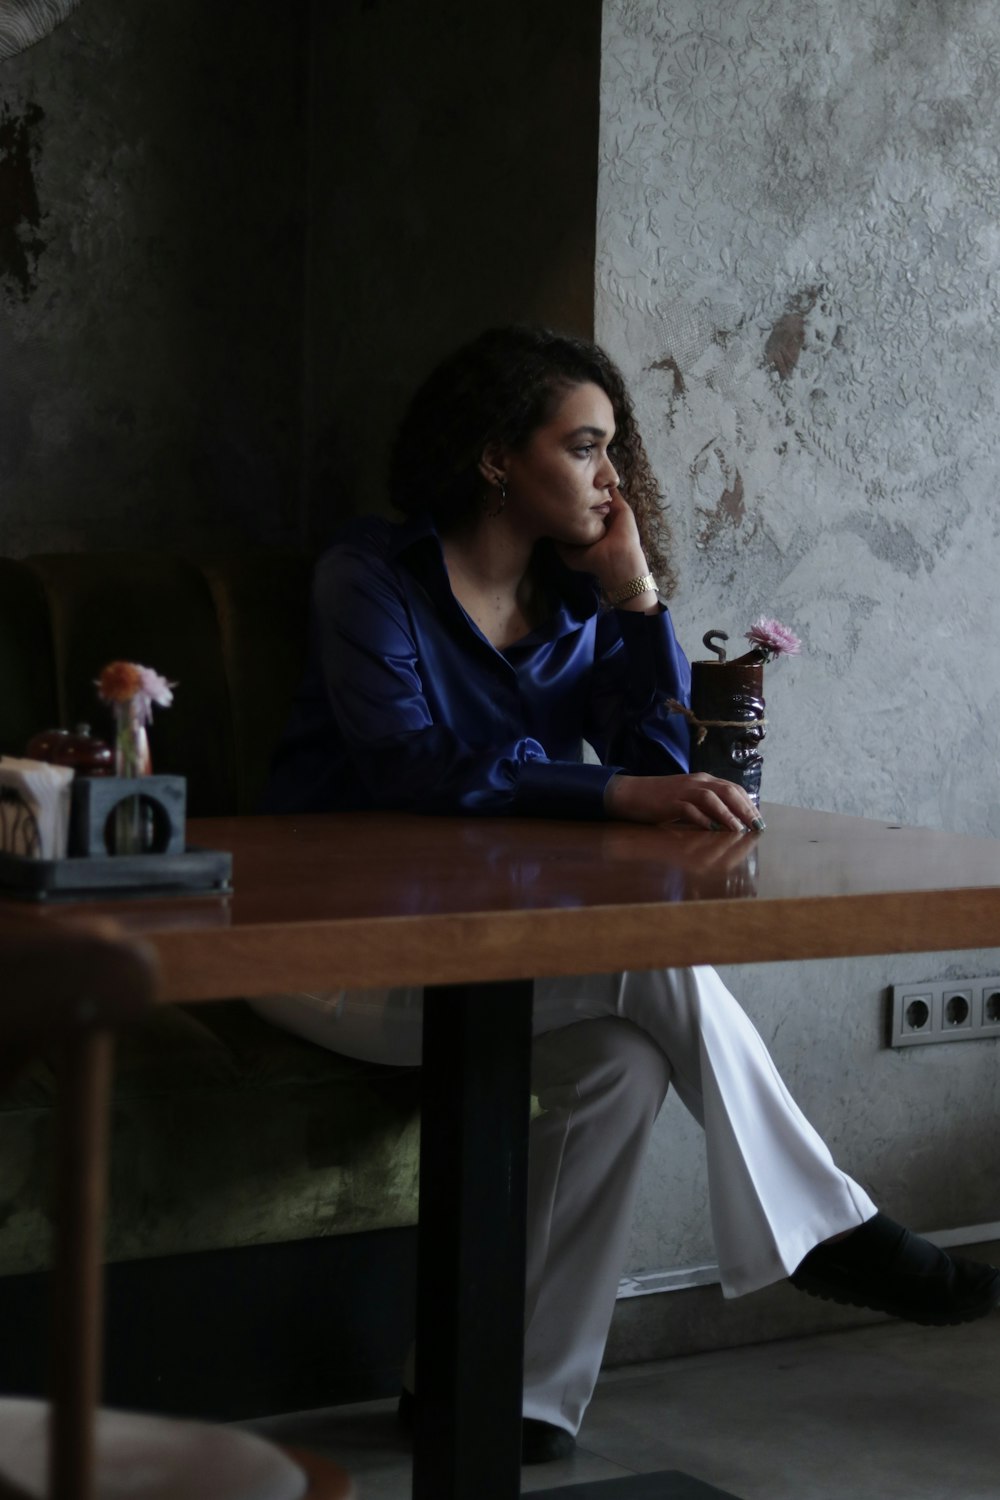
(945, 1010)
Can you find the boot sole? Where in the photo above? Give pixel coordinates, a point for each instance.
(968, 1314)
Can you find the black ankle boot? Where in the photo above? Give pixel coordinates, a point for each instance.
(885, 1267)
(541, 1442)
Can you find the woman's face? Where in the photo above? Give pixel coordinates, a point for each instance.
(558, 481)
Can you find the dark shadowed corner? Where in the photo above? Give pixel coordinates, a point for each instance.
(20, 216)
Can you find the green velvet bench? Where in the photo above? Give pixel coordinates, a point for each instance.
(263, 1191)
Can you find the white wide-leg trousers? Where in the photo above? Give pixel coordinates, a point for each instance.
(606, 1049)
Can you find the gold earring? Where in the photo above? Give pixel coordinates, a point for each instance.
(502, 487)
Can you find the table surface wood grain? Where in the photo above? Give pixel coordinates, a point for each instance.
(383, 898)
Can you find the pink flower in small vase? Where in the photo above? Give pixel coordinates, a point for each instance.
(130, 690)
(773, 639)
(153, 689)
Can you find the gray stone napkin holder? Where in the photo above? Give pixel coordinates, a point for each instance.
(96, 797)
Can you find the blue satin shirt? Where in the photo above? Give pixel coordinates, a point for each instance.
(405, 703)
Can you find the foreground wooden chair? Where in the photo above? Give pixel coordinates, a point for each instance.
(68, 986)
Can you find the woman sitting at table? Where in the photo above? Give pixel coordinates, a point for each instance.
(459, 662)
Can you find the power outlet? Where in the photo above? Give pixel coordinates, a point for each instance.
(989, 1008)
(957, 1010)
(914, 1017)
(960, 1010)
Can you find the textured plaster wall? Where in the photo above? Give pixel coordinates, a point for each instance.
(798, 267)
(151, 278)
(452, 185)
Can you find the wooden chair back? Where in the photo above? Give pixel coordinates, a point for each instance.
(65, 987)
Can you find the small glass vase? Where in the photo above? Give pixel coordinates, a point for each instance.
(132, 825)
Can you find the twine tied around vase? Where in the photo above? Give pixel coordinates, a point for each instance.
(702, 726)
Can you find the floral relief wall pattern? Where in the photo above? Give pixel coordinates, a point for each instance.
(799, 270)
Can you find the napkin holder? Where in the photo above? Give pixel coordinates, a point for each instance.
(95, 798)
(92, 869)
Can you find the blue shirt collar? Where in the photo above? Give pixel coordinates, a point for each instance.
(416, 543)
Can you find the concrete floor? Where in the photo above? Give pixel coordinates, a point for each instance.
(890, 1412)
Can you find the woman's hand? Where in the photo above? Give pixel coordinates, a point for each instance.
(705, 801)
(616, 557)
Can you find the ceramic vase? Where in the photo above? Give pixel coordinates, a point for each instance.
(727, 707)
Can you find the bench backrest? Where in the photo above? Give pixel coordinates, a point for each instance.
(229, 630)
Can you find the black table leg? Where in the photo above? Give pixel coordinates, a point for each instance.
(470, 1263)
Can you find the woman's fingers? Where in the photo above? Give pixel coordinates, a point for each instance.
(728, 804)
(621, 513)
(705, 810)
(712, 803)
(688, 811)
(705, 801)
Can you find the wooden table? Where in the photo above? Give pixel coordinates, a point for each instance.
(474, 909)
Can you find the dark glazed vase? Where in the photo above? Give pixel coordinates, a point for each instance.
(727, 698)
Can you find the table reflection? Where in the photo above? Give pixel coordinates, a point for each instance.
(716, 866)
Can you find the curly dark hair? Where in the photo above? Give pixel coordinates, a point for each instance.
(499, 389)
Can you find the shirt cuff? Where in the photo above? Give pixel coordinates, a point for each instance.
(561, 789)
(656, 659)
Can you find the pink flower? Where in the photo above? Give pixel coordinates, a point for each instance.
(154, 689)
(773, 638)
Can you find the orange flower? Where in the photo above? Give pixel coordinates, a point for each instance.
(119, 682)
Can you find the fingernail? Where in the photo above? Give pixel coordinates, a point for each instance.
(758, 825)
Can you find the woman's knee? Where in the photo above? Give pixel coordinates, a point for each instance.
(607, 1058)
(677, 1006)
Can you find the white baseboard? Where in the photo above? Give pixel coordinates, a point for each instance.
(652, 1283)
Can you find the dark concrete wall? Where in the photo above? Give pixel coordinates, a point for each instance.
(453, 185)
(230, 248)
(151, 282)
